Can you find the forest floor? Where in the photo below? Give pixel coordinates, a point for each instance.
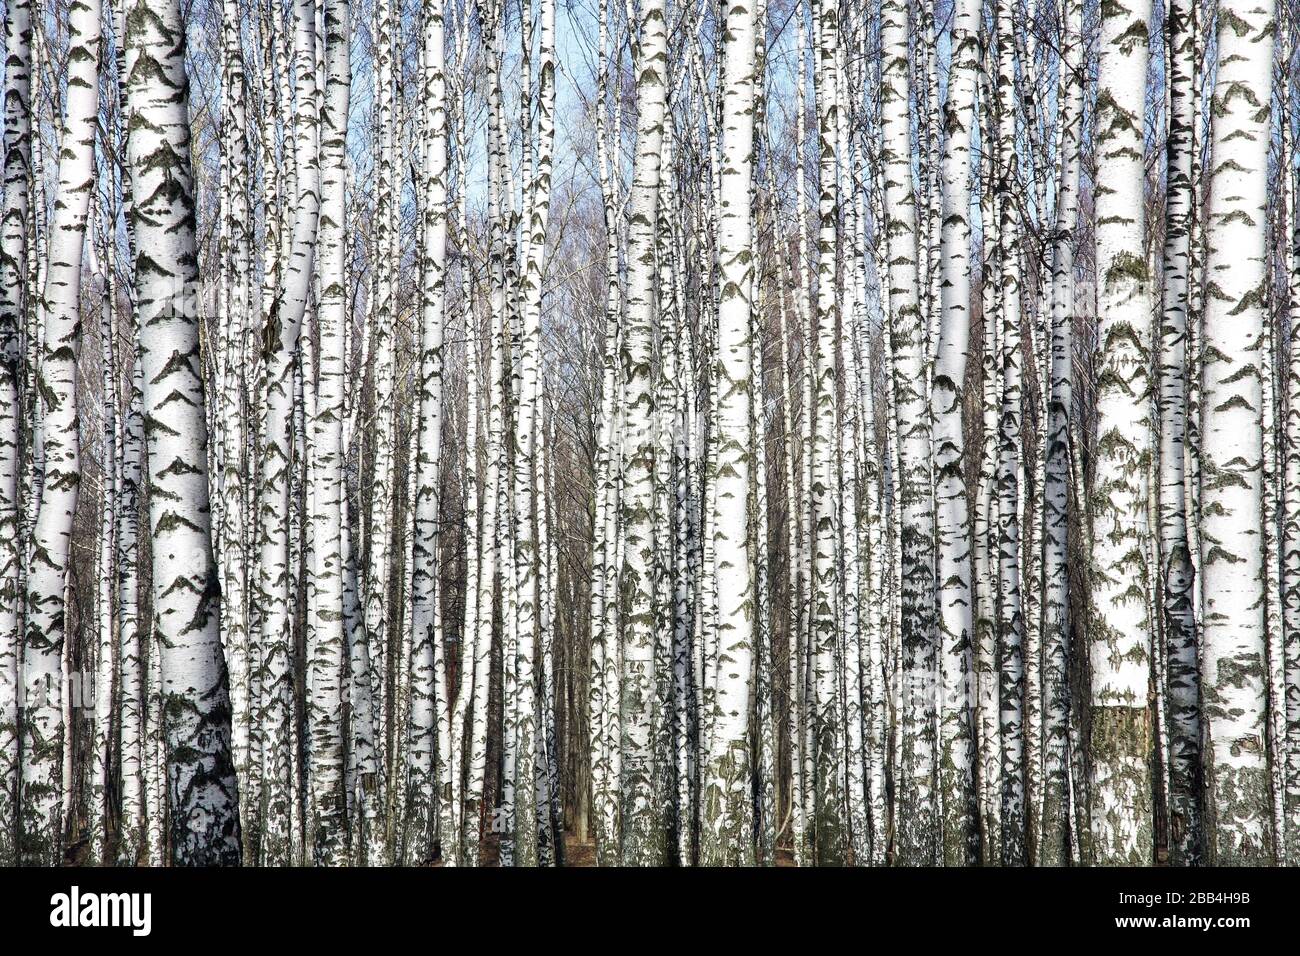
(578, 852)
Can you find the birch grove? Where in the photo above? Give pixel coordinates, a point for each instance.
(668, 433)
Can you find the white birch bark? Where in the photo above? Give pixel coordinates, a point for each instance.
(952, 528)
(985, 566)
(1182, 702)
(1237, 811)
(604, 654)
(763, 761)
(235, 494)
(918, 811)
(799, 725)
(382, 329)
(471, 696)
(640, 710)
(280, 344)
(42, 789)
(326, 638)
(1010, 610)
(134, 841)
(202, 800)
(829, 824)
(14, 303)
(1291, 503)
(1054, 818)
(1119, 631)
(430, 714)
(531, 814)
(133, 837)
(727, 812)
(492, 534)
(104, 223)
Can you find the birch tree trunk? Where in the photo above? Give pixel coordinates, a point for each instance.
(1119, 632)
(430, 714)
(104, 224)
(471, 696)
(201, 787)
(134, 842)
(280, 344)
(236, 439)
(42, 788)
(727, 811)
(1291, 504)
(1183, 693)
(918, 830)
(1010, 468)
(532, 813)
(1238, 817)
(606, 650)
(986, 511)
(492, 534)
(133, 839)
(799, 725)
(952, 528)
(640, 710)
(14, 303)
(830, 826)
(1054, 823)
(326, 647)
